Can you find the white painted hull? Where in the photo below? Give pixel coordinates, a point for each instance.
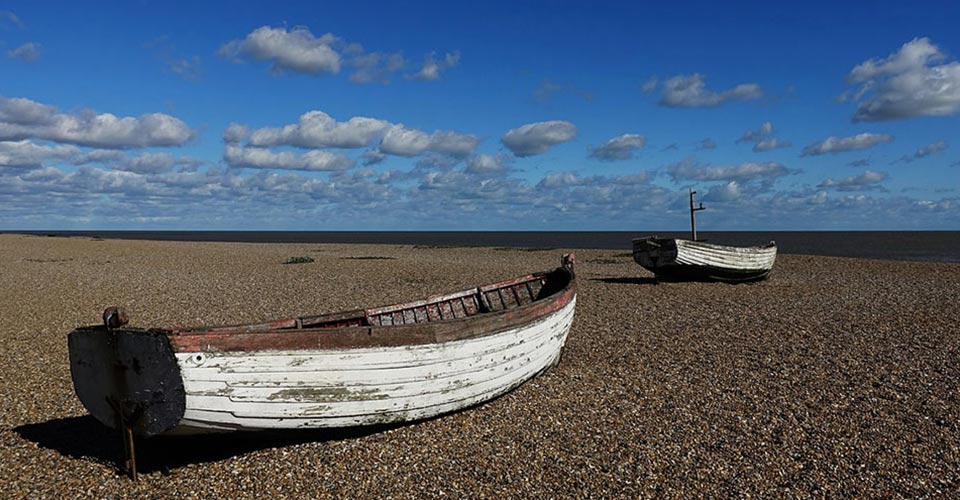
(696, 253)
(684, 259)
(227, 391)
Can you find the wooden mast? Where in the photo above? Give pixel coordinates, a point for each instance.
(693, 218)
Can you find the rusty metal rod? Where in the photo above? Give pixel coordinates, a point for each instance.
(693, 218)
(131, 452)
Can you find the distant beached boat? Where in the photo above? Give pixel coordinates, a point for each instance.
(672, 259)
(387, 364)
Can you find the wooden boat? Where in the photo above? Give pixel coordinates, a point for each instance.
(370, 366)
(672, 259)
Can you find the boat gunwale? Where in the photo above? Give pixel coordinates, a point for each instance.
(243, 338)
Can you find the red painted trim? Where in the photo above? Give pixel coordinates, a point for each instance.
(257, 338)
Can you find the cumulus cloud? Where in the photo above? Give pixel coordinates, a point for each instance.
(296, 50)
(621, 147)
(372, 157)
(763, 139)
(252, 157)
(28, 53)
(152, 163)
(235, 132)
(432, 67)
(842, 144)
(487, 164)
(375, 67)
(727, 192)
(925, 151)
(914, 81)
(317, 129)
(25, 119)
(863, 182)
(404, 141)
(687, 170)
(690, 91)
(28, 154)
(537, 138)
(561, 179)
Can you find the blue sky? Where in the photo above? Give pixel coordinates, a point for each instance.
(433, 116)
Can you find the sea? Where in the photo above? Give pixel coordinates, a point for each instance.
(929, 246)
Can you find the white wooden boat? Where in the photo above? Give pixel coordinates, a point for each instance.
(673, 259)
(369, 366)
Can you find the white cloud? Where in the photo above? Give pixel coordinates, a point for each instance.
(28, 154)
(913, 81)
(403, 141)
(296, 50)
(930, 149)
(687, 170)
(235, 132)
(925, 151)
(28, 53)
(621, 147)
(317, 129)
(537, 138)
(724, 192)
(25, 119)
(372, 157)
(863, 182)
(487, 164)
(432, 68)
(152, 163)
(763, 139)
(561, 179)
(842, 144)
(375, 67)
(238, 156)
(690, 91)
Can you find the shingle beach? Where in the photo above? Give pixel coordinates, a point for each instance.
(834, 378)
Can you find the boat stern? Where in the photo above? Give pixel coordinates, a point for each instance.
(653, 253)
(127, 378)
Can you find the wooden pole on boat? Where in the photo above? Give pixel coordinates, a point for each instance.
(115, 317)
(693, 218)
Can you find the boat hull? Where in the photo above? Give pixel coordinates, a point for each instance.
(353, 387)
(684, 260)
(383, 365)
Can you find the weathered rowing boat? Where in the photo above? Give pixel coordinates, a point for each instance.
(386, 364)
(676, 259)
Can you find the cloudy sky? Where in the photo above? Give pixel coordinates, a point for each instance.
(546, 116)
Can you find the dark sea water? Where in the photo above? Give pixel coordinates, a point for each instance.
(932, 246)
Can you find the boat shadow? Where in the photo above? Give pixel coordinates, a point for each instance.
(85, 438)
(628, 280)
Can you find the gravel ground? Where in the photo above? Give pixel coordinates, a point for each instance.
(834, 378)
